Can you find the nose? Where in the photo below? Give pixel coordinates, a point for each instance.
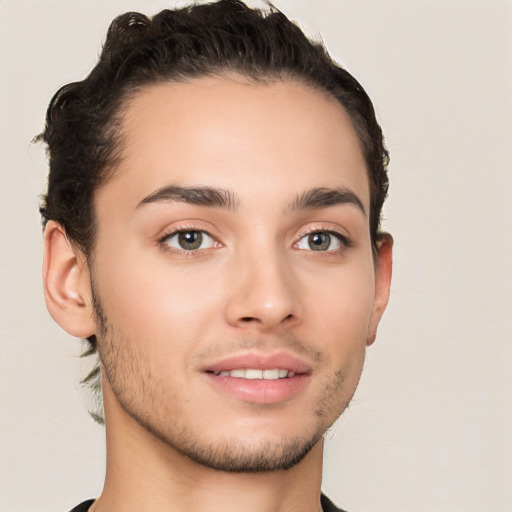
(264, 293)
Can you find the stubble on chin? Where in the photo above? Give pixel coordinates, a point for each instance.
(138, 393)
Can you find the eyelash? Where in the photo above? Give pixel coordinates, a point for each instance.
(183, 229)
(345, 241)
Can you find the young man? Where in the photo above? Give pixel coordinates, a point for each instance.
(211, 227)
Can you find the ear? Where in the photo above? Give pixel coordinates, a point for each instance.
(66, 282)
(383, 265)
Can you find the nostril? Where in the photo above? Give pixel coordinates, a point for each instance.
(247, 319)
(253, 319)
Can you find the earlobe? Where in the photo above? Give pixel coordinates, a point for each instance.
(383, 268)
(66, 283)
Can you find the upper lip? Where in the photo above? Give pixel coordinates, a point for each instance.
(260, 361)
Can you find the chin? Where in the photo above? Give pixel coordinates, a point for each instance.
(234, 456)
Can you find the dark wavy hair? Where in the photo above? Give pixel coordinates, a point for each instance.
(83, 121)
(82, 131)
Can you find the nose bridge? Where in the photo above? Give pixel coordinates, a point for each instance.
(263, 287)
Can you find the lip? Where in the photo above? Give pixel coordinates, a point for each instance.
(259, 391)
(260, 361)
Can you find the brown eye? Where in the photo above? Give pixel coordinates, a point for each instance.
(322, 241)
(319, 241)
(190, 240)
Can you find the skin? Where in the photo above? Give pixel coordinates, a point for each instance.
(255, 287)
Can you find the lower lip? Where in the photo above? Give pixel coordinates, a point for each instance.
(260, 391)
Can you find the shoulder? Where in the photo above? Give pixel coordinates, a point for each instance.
(83, 507)
(328, 505)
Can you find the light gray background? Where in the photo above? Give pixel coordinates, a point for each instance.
(430, 426)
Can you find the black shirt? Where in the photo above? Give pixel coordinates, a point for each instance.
(327, 505)
(83, 507)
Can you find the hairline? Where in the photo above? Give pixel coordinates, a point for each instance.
(130, 92)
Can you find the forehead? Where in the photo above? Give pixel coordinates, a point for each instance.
(277, 139)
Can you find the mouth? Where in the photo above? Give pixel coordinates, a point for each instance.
(255, 373)
(259, 378)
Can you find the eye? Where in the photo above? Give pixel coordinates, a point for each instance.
(322, 241)
(189, 240)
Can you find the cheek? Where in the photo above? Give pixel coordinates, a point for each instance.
(346, 294)
(158, 304)
(343, 310)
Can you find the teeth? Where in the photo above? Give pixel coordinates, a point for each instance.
(253, 373)
(271, 374)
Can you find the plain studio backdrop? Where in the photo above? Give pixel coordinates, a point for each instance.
(430, 426)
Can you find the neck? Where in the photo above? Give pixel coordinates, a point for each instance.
(145, 474)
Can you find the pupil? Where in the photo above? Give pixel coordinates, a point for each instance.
(190, 240)
(319, 241)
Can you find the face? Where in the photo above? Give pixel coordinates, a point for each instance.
(233, 270)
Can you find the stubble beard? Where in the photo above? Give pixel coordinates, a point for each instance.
(137, 394)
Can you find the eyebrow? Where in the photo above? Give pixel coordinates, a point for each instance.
(324, 198)
(315, 198)
(201, 196)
